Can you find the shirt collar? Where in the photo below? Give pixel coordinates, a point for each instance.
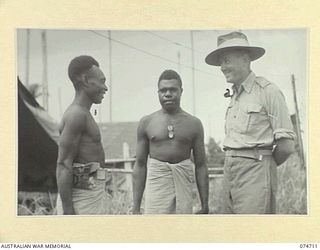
(246, 84)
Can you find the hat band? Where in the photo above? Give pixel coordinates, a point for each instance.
(234, 42)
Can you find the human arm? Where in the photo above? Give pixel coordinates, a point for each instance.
(283, 149)
(74, 125)
(201, 170)
(280, 121)
(140, 167)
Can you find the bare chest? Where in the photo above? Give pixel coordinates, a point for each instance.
(92, 132)
(179, 130)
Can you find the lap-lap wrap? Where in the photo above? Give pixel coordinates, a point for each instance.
(88, 192)
(169, 187)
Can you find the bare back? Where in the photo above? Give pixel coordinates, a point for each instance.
(88, 139)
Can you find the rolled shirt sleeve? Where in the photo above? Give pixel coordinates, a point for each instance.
(278, 113)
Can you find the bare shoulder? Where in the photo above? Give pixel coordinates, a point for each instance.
(74, 118)
(192, 119)
(144, 121)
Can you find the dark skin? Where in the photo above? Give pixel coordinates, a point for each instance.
(80, 139)
(284, 148)
(154, 141)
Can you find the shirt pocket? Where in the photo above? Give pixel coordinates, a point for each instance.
(241, 120)
(248, 117)
(255, 113)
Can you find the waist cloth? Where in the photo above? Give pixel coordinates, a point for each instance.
(169, 187)
(91, 200)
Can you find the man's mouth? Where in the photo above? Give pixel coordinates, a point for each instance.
(168, 102)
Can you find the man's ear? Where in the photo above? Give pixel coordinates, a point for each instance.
(181, 90)
(81, 81)
(83, 78)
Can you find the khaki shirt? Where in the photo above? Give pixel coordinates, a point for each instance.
(257, 115)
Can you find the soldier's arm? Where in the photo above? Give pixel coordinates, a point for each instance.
(140, 166)
(74, 125)
(201, 169)
(281, 124)
(284, 148)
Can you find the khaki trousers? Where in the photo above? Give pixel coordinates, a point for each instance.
(249, 185)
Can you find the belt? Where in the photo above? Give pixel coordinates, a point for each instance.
(254, 153)
(84, 175)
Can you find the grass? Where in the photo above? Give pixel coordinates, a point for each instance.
(291, 195)
(35, 203)
(292, 187)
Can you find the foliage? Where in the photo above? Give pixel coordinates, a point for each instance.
(215, 155)
(35, 203)
(292, 187)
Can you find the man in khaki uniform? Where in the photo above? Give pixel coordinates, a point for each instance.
(259, 133)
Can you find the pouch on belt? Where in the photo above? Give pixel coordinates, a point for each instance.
(84, 175)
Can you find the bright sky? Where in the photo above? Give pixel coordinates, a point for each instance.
(139, 57)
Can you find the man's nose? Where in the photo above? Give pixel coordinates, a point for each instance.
(168, 93)
(105, 87)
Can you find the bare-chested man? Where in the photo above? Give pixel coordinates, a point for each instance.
(168, 136)
(81, 181)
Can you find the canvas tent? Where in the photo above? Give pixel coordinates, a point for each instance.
(37, 145)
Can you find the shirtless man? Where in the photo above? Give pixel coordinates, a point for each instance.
(168, 136)
(80, 148)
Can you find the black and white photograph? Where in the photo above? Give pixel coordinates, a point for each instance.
(158, 122)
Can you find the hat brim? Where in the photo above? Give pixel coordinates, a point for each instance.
(254, 53)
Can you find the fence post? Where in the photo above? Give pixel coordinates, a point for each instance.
(298, 125)
(127, 165)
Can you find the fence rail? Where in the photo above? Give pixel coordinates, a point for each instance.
(110, 161)
(213, 172)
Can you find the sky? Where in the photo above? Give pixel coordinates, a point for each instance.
(138, 57)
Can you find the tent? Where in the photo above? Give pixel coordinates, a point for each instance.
(37, 145)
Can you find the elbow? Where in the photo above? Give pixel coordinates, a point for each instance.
(64, 167)
(139, 168)
(140, 163)
(201, 169)
(201, 165)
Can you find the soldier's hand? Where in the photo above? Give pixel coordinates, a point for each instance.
(283, 149)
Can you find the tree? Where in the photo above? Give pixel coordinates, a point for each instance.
(215, 154)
